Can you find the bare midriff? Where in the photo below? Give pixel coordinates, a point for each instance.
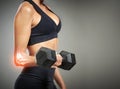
(52, 44)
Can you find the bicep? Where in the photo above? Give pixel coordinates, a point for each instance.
(22, 29)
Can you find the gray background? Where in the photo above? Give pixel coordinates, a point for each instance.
(91, 30)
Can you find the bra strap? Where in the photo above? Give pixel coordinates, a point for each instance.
(37, 8)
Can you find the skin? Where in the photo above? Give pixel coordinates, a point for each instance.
(26, 18)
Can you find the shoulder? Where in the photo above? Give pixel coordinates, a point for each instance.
(25, 8)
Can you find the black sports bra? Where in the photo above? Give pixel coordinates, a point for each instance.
(46, 29)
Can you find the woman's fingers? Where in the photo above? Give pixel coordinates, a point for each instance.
(59, 60)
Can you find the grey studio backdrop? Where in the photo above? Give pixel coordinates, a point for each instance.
(90, 29)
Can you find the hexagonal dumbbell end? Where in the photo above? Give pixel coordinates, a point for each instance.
(68, 60)
(45, 57)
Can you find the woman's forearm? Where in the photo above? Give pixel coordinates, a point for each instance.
(58, 79)
(23, 59)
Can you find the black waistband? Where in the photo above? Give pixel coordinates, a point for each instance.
(40, 72)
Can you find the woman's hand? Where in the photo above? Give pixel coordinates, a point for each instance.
(58, 60)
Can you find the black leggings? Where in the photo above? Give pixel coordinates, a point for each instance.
(35, 78)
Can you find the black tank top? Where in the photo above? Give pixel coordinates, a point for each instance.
(46, 29)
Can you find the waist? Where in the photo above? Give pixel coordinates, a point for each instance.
(40, 72)
(52, 44)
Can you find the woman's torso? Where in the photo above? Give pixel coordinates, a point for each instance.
(52, 43)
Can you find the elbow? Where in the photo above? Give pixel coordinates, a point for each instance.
(15, 62)
(17, 59)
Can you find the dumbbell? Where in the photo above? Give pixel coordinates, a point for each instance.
(47, 57)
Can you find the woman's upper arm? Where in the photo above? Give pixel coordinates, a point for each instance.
(22, 27)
